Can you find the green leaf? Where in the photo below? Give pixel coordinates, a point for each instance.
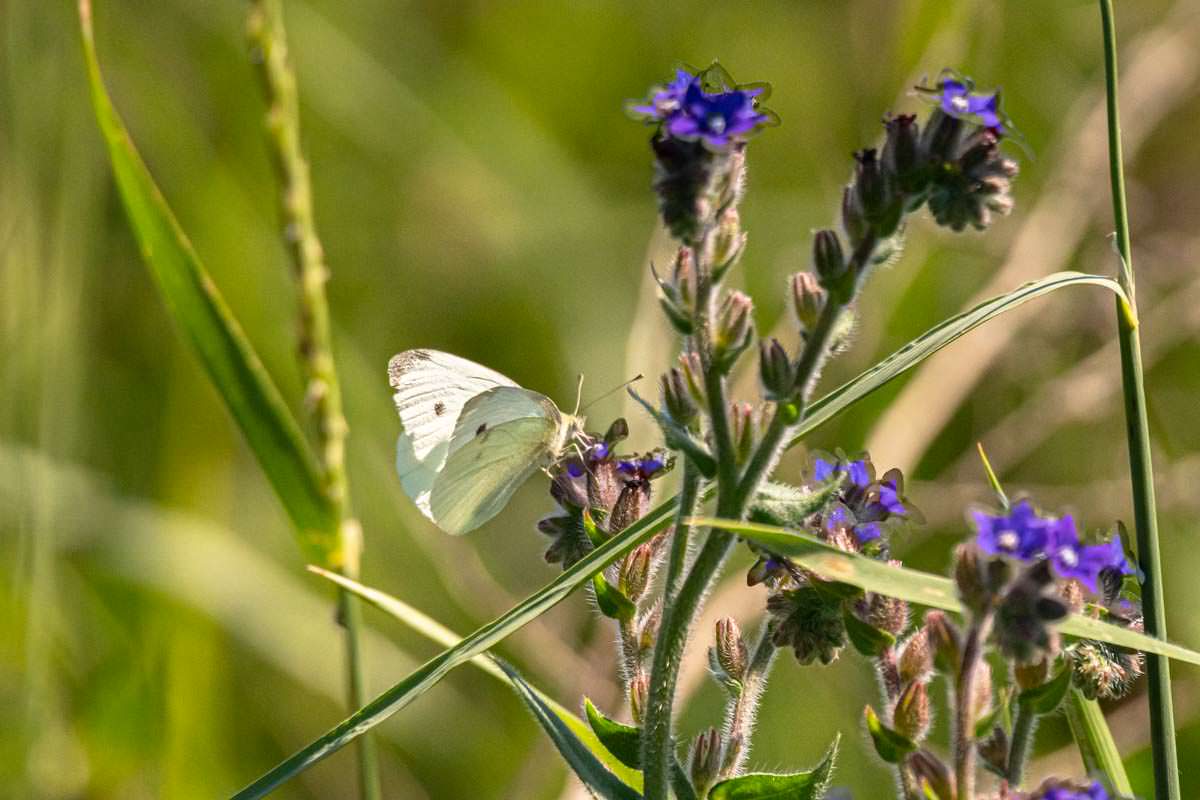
(577, 755)
(998, 715)
(821, 411)
(922, 588)
(436, 632)
(678, 437)
(866, 638)
(623, 741)
(810, 785)
(1045, 699)
(612, 601)
(891, 745)
(1095, 742)
(787, 505)
(212, 332)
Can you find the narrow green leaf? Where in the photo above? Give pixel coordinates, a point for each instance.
(892, 746)
(1095, 742)
(585, 764)
(436, 632)
(810, 785)
(922, 588)
(821, 411)
(993, 481)
(1046, 699)
(211, 330)
(818, 413)
(623, 741)
(866, 638)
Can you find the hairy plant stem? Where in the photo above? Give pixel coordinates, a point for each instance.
(742, 709)
(733, 497)
(268, 40)
(1162, 717)
(689, 493)
(964, 705)
(1021, 745)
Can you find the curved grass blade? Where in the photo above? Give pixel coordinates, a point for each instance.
(922, 588)
(210, 328)
(821, 411)
(937, 337)
(432, 671)
(436, 632)
(1095, 742)
(585, 764)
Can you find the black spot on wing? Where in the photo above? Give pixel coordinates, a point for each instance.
(439, 408)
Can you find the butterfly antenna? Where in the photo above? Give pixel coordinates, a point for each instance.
(614, 390)
(578, 395)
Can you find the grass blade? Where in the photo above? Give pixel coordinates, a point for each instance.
(922, 588)
(210, 328)
(496, 631)
(586, 766)
(1095, 742)
(937, 337)
(434, 631)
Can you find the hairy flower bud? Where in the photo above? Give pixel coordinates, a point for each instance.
(727, 243)
(911, 716)
(808, 298)
(854, 216)
(635, 571)
(942, 136)
(829, 262)
(677, 399)
(876, 195)
(902, 157)
(945, 641)
(776, 371)
(1031, 675)
(916, 659)
(931, 771)
(705, 760)
(744, 421)
(734, 329)
(693, 376)
(639, 692)
(809, 622)
(730, 649)
(887, 613)
(1101, 670)
(994, 750)
(981, 697)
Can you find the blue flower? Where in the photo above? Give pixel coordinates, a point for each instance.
(687, 112)
(857, 471)
(1095, 791)
(957, 100)
(1021, 533)
(1084, 563)
(641, 468)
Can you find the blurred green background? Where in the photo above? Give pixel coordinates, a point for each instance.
(479, 190)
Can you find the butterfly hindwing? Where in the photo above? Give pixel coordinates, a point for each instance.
(503, 435)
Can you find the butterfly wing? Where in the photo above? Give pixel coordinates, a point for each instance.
(502, 437)
(431, 389)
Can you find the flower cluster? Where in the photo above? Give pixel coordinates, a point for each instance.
(1026, 535)
(863, 505)
(717, 119)
(1061, 790)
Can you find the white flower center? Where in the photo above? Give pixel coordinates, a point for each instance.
(959, 103)
(717, 123)
(1008, 540)
(1068, 557)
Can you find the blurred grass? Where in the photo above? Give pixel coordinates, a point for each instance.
(479, 190)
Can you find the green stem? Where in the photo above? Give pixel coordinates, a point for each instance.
(1021, 746)
(964, 706)
(268, 38)
(1137, 427)
(681, 533)
(1095, 742)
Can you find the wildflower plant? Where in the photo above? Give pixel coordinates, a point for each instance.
(1036, 616)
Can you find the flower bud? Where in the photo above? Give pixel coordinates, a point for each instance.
(745, 429)
(683, 277)
(1103, 671)
(639, 692)
(945, 641)
(854, 217)
(902, 153)
(994, 750)
(1033, 674)
(728, 241)
(693, 376)
(829, 262)
(635, 571)
(735, 329)
(730, 649)
(942, 136)
(648, 634)
(931, 771)
(808, 298)
(618, 431)
(677, 400)
(809, 622)
(775, 370)
(981, 696)
(705, 760)
(887, 613)
(911, 715)
(631, 505)
(916, 659)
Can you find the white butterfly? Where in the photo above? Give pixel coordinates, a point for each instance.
(470, 436)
